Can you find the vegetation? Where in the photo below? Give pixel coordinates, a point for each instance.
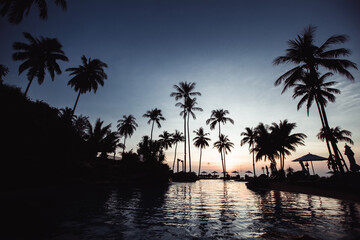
(201, 141)
(126, 127)
(337, 133)
(223, 145)
(155, 116)
(249, 137)
(3, 72)
(176, 137)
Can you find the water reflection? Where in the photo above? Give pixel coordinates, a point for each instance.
(207, 209)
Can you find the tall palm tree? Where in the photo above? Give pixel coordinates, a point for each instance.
(15, 9)
(183, 91)
(201, 141)
(189, 108)
(223, 145)
(337, 133)
(3, 72)
(155, 116)
(264, 144)
(87, 76)
(249, 137)
(126, 127)
(307, 56)
(166, 140)
(218, 116)
(284, 140)
(37, 56)
(177, 137)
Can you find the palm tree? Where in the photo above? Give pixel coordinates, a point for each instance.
(217, 117)
(284, 140)
(126, 127)
(166, 140)
(87, 76)
(39, 55)
(309, 57)
(223, 145)
(189, 108)
(15, 9)
(337, 133)
(177, 137)
(201, 141)
(249, 137)
(3, 72)
(154, 116)
(264, 144)
(183, 91)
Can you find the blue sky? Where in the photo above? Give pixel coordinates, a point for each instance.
(226, 47)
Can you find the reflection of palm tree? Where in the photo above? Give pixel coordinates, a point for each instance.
(15, 9)
(337, 133)
(126, 127)
(183, 91)
(223, 145)
(201, 141)
(40, 55)
(284, 140)
(309, 57)
(249, 137)
(177, 137)
(87, 76)
(154, 116)
(166, 140)
(3, 72)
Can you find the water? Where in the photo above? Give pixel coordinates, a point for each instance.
(207, 209)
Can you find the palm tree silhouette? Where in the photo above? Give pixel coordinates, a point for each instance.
(87, 76)
(183, 91)
(217, 117)
(284, 140)
(310, 57)
(249, 137)
(166, 140)
(337, 133)
(201, 141)
(39, 55)
(189, 108)
(15, 9)
(177, 137)
(126, 127)
(223, 145)
(154, 116)
(3, 72)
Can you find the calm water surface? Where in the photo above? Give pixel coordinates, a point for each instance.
(207, 209)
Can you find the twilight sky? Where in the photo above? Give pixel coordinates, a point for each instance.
(225, 46)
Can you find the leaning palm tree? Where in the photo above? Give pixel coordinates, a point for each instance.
(15, 9)
(223, 145)
(87, 76)
(249, 137)
(308, 57)
(176, 137)
(201, 141)
(3, 72)
(284, 140)
(155, 116)
(126, 127)
(37, 56)
(183, 91)
(337, 133)
(166, 140)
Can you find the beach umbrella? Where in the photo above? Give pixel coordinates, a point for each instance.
(234, 172)
(310, 158)
(203, 172)
(214, 172)
(249, 172)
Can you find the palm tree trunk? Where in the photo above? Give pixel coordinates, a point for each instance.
(27, 88)
(174, 158)
(188, 135)
(124, 146)
(224, 165)
(200, 161)
(76, 102)
(152, 128)
(114, 153)
(184, 141)
(254, 164)
(222, 162)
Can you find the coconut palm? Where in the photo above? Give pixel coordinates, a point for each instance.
(183, 91)
(249, 137)
(166, 140)
(218, 116)
(309, 57)
(15, 9)
(87, 76)
(264, 144)
(38, 56)
(155, 116)
(177, 137)
(3, 72)
(189, 108)
(337, 133)
(284, 141)
(223, 145)
(126, 127)
(201, 141)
